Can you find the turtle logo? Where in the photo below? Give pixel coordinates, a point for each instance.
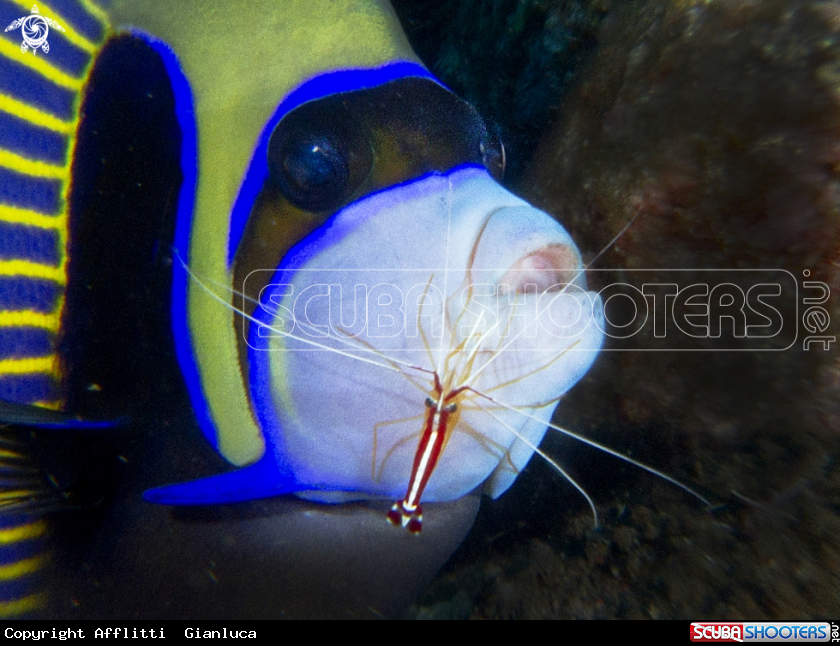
(35, 28)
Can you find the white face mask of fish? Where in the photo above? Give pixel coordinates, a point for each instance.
(417, 344)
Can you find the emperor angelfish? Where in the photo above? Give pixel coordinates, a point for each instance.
(360, 309)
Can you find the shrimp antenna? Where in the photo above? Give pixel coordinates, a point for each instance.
(315, 344)
(545, 456)
(346, 340)
(594, 444)
(610, 243)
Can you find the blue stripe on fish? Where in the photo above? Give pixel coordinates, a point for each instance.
(15, 549)
(31, 141)
(27, 389)
(29, 86)
(24, 293)
(332, 83)
(27, 192)
(82, 20)
(65, 56)
(263, 479)
(17, 342)
(29, 243)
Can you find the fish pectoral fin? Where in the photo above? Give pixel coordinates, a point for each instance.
(260, 480)
(27, 415)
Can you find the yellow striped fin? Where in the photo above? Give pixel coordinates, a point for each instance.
(10, 50)
(16, 215)
(26, 166)
(35, 115)
(27, 365)
(71, 34)
(96, 11)
(21, 568)
(33, 270)
(11, 496)
(28, 318)
(23, 533)
(17, 607)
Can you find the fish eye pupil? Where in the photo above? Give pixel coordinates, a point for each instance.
(314, 167)
(318, 157)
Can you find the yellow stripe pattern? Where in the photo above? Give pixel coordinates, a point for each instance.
(35, 115)
(22, 606)
(24, 165)
(12, 496)
(21, 568)
(28, 318)
(17, 215)
(27, 365)
(95, 10)
(21, 575)
(23, 532)
(33, 270)
(31, 365)
(45, 69)
(22, 601)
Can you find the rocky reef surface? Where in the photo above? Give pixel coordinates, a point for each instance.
(712, 128)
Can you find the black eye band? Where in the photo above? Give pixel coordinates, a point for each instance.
(319, 157)
(322, 152)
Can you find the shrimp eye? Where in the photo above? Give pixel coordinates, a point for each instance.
(318, 159)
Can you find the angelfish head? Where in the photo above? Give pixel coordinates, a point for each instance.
(382, 266)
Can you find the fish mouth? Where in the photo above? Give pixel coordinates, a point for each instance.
(548, 269)
(523, 250)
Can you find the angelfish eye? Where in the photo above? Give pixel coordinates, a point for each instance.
(318, 159)
(314, 165)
